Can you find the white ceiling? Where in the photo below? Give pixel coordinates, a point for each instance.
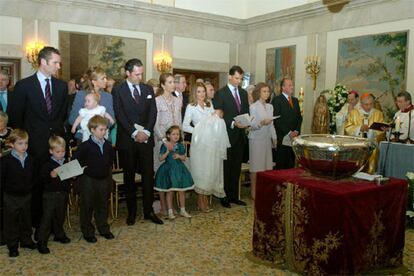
(241, 9)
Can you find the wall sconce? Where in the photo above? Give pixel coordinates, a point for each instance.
(163, 62)
(313, 67)
(33, 49)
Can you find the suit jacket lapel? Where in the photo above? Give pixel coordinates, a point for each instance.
(40, 96)
(127, 95)
(55, 96)
(230, 96)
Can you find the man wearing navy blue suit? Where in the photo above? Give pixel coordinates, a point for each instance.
(232, 101)
(39, 105)
(287, 125)
(134, 105)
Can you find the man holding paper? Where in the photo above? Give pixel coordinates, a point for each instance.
(232, 101)
(287, 125)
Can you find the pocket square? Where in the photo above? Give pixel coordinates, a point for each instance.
(149, 97)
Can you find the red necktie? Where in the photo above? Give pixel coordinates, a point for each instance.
(290, 101)
(48, 97)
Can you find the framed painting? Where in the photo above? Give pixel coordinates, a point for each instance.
(374, 64)
(280, 63)
(12, 67)
(81, 51)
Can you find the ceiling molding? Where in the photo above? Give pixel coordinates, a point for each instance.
(278, 17)
(142, 8)
(301, 12)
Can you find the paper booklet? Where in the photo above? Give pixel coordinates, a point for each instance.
(244, 119)
(366, 176)
(69, 170)
(378, 126)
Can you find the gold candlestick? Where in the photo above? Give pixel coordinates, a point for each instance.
(313, 67)
(301, 99)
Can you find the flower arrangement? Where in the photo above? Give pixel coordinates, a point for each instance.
(336, 99)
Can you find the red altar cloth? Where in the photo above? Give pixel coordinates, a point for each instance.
(319, 226)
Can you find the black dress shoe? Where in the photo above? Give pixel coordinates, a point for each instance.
(108, 236)
(31, 245)
(238, 202)
(91, 239)
(130, 221)
(64, 239)
(151, 216)
(13, 253)
(43, 249)
(225, 202)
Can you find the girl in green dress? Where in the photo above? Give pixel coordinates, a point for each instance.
(173, 175)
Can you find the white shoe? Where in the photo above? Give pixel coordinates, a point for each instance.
(171, 214)
(184, 213)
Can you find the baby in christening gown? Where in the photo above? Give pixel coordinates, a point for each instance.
(91, 109)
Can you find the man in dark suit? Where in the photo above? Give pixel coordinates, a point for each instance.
(287, 125)
(4, 91)
(39, 105)
(180, 86)
(134, 105)
(232, 101)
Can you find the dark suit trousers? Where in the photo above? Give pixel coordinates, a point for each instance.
(17, 224)
(232, 169)
(37, 191)
(140, 156)
(54, 212)
(285, 157)
(94, 195)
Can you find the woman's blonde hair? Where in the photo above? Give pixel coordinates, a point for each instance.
(193, 96)
(92, 74)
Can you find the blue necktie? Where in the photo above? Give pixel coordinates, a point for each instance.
(3, 106)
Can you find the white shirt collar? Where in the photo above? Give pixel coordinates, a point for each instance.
(131, 87)
(231, 87)
(41, 77)
(286, 95)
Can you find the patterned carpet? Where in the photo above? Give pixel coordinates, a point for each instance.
(213, 243)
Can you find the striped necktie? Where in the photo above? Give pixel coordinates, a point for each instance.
(48, 97)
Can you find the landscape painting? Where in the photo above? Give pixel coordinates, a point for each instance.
(82, 51)
(280, 63)
(374, 64)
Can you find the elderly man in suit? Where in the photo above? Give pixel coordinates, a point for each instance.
(136, 112)
(287, 125)
(39, 105)
(232, 101)
(4, 92)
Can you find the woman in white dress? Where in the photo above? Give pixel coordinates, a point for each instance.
(208, 146)
(168, 114)
(262, 136)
